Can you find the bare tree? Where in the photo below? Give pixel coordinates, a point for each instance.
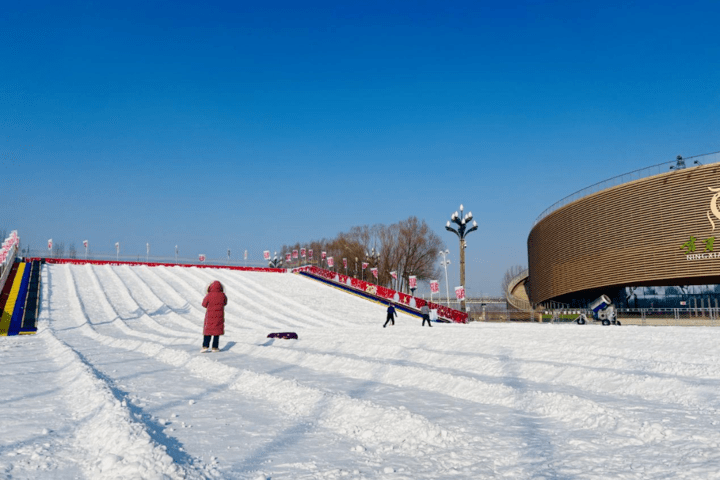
(511, 273)
(409, 247)
(58, 249)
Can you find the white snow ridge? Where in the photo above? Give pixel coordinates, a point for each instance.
(114, 386)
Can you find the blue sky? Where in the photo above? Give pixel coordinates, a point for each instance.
(247, 126)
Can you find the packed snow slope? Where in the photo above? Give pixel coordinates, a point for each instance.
(114, 386)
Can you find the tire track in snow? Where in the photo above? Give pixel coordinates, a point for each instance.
(368, 423)
(246, 308)
(118, 446)
(630, 387)
(93, 289)
(310, 317)
(187, 315)
(122, 293)
(250, 300)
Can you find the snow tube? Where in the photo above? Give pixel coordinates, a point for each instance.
(580, 321)
(284, 335)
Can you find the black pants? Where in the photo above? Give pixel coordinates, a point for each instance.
(390, 318)
(426, 318)
(206, 341)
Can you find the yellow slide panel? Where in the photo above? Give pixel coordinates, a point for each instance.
(12, 298)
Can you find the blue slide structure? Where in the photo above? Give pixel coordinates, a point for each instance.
(19, 299)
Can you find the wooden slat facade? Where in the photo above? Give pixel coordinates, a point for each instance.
(631, 234)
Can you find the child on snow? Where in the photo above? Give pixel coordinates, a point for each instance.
(214, 302)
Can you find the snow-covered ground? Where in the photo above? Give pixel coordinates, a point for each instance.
(114, 386)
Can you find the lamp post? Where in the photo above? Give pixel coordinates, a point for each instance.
(445, 263)
(356, 259)
(462, 231)
(275, 262)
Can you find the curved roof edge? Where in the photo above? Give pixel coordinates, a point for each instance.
(621, 179)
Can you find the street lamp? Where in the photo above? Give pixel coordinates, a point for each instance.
(445, 263)
(462, 231)
(275, 262)
(356, 259)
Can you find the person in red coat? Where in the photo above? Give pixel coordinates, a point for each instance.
(214, 302)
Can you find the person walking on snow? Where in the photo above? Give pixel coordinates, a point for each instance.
(214, 302)
(391, 314)
(425, 311)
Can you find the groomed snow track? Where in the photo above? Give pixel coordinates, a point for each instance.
(114, 386)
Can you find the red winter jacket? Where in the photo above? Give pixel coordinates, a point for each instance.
(215, 302)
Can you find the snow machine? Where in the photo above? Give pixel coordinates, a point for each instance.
(603, 311)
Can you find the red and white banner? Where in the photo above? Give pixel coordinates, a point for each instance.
(50, 244)
(287, 257)
(434, 286)
(295, 254)
(245, 255)
(302, 252)
(393, 274)
(310, 254)
(266, 254)
(345, 263)
(374, 272)
(460, 293)
(331, 262)
(322, 255)
(412, 281)
(365, 265)
(402, 301)
(85, 243)
(201, 257)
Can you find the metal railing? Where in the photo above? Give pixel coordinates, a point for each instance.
(42, 253)
(621, 179)
(646, 317)
(519, 303)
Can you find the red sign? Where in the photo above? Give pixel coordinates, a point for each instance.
(364, 265)
(393, 274)
(302, 252)
(50, 244)
(85, 243)
(322, 255)
(412, 281)
(295, 254)
(287, 257)
(460, 293)
(201, 257)
(331, 262)
(345, 262)
(374, 272)
(310, 254)
(266, 254)
(434, 286)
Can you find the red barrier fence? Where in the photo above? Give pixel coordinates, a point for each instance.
(76, 261)
(386, 293)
